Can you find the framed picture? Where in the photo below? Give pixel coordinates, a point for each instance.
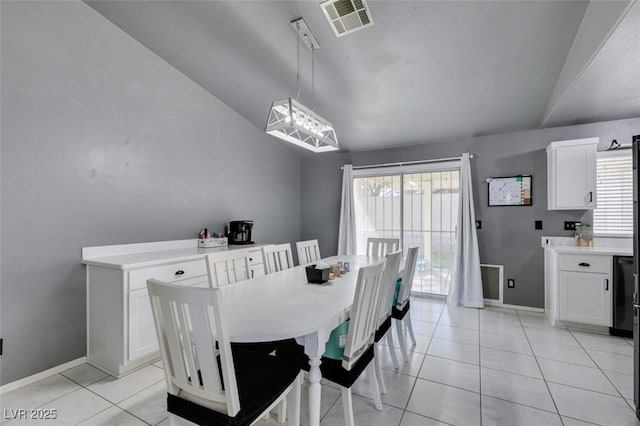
(510, 191)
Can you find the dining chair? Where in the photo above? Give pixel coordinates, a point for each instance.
(228, 267)
(382, 246)
(277, 257)
(401, 307)
(308, 252)
(389, 279)
(358, 351)
(209, 381)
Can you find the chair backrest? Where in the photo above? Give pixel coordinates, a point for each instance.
(364, 313)
(189, 323)
(389, 279)
(277, 257)
(382, 246)
(407, 278)
(308, 252)
(228, 267)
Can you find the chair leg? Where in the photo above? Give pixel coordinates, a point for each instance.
(347, 406)
(293, 403)
(282, 411)
(378, 368)
(375, 389)
(407, 320)
(392, 350)
(403, 345)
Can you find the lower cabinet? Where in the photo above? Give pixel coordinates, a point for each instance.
(121, 334)
(585, 298)
(578, 288)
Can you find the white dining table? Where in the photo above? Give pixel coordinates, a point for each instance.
(283, 305)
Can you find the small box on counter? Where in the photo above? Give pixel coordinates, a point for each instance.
(317, 276)
(212, 242)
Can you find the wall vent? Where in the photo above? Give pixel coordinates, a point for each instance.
(347, 16)
(492, 283)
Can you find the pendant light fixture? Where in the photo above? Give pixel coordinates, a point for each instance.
(293, 122)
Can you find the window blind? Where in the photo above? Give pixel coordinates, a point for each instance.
(614, 214)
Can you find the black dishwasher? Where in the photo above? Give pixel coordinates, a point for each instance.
(622, 296)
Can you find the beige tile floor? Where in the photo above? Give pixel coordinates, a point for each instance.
(469, 367)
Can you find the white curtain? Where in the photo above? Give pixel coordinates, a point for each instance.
(347, 230)
(466, 283)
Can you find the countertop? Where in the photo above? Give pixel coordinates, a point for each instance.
(602, 246)
(134, 256)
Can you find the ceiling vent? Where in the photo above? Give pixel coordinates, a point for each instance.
(347, 16)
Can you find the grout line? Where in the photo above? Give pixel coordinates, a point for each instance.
(602, 371)
(541, 372)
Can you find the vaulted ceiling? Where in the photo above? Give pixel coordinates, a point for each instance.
(426, 71)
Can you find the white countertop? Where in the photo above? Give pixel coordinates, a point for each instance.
(133, 256)
(601, 246)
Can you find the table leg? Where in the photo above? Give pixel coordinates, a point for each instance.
(314, 391)
(314, 347)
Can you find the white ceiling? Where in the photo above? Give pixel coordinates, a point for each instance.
(425, 71)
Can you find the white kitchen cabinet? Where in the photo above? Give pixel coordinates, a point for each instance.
(585, 298)
(571, 174)
(121, 334)
(578, 286)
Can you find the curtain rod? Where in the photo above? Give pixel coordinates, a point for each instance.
(407, 163)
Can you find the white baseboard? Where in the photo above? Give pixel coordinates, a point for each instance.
(518, 307)
(41, 375)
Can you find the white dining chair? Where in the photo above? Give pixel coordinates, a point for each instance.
(401, 308)
(277, 257)
(229, 267)
(210, 382)
(389, 279)
(359, 342)
(308, 252)
(381, 246)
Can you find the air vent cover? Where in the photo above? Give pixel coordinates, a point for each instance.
(347, 16)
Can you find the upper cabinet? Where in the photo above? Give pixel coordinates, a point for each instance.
(571, 174)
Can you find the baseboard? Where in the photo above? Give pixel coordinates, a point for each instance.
(497, 304)
(41, 375)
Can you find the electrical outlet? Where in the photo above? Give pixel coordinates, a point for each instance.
(538, 224)
(570, 225)
(511, 283)
(478, 224)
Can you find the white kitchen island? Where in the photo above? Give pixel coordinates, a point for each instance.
(579, 280)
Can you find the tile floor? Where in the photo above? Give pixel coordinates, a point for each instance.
(469, 367)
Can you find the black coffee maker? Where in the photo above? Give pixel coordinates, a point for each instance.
(240, 232)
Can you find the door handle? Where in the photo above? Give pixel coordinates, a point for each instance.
(180, 272)
(606, 284)
(583, 264)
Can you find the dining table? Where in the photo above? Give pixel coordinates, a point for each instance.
(283, 305)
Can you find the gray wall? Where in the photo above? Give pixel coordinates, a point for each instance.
(507, 236)
(105, 143)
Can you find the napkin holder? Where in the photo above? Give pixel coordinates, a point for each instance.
(317, 276)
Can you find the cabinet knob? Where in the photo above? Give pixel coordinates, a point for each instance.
(583, 264)
(606, 284)
(180, 272)
(590, 195)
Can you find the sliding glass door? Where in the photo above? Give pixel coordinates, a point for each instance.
(421, 209)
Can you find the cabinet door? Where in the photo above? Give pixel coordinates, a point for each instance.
(142, 332)
(575, 177)
(584, 298)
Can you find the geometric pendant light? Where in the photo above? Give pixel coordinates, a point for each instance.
(293, 122)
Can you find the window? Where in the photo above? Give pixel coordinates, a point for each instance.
(614, 215)
(417, 205)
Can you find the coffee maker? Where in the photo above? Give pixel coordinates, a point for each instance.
(240, 232)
